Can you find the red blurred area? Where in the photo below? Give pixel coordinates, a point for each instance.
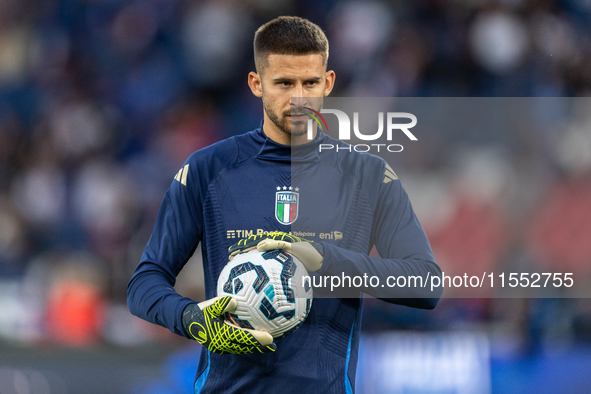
(75, 313)
(559, 235)
(472, 240)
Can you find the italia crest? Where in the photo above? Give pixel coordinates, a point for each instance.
(287, 203)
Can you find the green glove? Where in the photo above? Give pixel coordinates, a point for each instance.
(310, 253)
(204, 322)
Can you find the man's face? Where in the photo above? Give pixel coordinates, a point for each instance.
(287, 84)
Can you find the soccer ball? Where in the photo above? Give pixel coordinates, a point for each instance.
(272, 289)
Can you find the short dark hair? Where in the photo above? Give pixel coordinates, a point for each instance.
(288, 35)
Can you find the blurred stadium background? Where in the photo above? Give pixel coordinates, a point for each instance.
(102, 100)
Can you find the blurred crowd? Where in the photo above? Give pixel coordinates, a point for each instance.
(101, 101)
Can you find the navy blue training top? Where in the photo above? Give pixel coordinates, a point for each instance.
(247, 184)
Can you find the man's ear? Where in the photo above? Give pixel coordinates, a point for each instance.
(255, 84)
(329, 82)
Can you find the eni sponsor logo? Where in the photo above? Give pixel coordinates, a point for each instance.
(336, 235)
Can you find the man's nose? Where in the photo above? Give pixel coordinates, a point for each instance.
(298, 91)
(297, 96)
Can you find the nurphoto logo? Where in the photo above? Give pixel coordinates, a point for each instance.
(393, 126)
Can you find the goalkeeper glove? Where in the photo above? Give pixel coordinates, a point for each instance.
(204, 322)
(310, 253)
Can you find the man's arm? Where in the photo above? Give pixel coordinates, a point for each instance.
(400, 240)
(150, 292)
(176, 234)
(151, 295)
(404, 249)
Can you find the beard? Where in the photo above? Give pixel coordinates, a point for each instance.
(283, 121)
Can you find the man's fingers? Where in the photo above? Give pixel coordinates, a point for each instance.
(217, 306)
(303, 251)
(308, 255)
(272, 244)
(241, 349)
(207, 303)
(230, 306)
(264, 338)
(239, 251)
(267, 348)
(205, 323)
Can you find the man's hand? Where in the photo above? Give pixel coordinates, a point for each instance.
(308, 252)
(205, 323)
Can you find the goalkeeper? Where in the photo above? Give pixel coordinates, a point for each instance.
(238, 185)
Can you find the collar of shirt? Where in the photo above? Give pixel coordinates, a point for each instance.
(273, 151)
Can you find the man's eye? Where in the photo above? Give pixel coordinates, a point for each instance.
(284, 84)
